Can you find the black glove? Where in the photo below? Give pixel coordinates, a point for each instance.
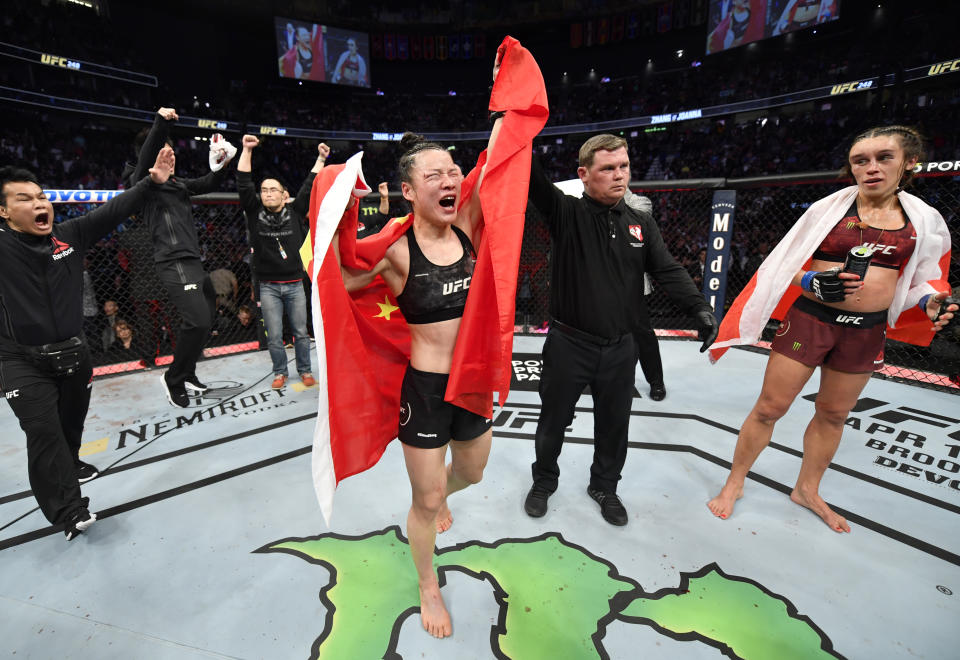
(709, 329)
(944, 304)
(825, 285)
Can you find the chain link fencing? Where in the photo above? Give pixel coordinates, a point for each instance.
(121, 289)
(121, 271)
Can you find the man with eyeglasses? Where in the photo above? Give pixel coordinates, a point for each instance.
(277, 227)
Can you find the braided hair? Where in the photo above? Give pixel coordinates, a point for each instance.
(911, 141)
(412, 144)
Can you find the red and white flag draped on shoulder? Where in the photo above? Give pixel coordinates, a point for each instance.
(363, 343)
(770, 292)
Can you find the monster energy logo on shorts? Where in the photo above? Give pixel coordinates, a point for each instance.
(797, 345)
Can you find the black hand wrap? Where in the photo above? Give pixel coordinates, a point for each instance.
(828, 287)
(709, 329)
(949, 300)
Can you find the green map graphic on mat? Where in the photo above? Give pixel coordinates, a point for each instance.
(556, 600)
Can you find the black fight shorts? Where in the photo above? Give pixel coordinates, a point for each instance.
(429, 422)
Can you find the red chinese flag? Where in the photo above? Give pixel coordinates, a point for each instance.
(363, 344)
(480, 45)
(616, 32)
(576, 35)
(482, 356)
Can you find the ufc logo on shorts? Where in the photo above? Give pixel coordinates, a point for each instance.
(189, 287)
(849, 320)
(12, 394)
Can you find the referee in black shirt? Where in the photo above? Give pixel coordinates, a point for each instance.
(601, 249)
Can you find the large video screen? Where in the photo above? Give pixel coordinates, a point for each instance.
(310, 51)
(733, 23)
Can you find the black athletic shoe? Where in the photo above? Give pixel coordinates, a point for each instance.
(86, 472)
(611, 508)
(176, 394)
(194, 386)
(536, 503)
(658, 392)
(79, 520)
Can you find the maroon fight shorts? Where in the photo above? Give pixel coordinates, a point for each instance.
(814, 334)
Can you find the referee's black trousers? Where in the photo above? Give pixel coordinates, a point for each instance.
(51, 411)
(569, 365)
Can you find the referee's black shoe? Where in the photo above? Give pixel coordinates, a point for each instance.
(611, 508)
(536, 503)
(658, 392)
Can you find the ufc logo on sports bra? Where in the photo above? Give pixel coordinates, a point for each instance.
(849, 320)
(456, 285)
(881, 248)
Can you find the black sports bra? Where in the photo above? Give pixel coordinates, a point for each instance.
(436, 293)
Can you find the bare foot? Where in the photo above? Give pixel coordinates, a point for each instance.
(444, 519)
(816, 504)
(433, 613)
(722, 505)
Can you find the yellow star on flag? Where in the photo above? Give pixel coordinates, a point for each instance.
(386, 309)
(401, 219)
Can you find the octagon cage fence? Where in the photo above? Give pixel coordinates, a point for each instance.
(120, 269)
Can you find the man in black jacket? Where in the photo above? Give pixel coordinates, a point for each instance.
(601, 249)
(277, 227)
(176, 254)
(644, 336)
(45, 368)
